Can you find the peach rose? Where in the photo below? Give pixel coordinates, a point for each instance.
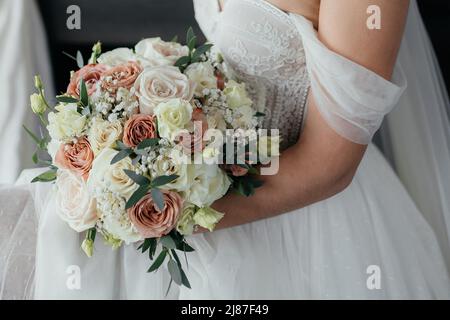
(91, 74)
(121, 76)
(76, 156)
(237, 170)
(194, 142)
(138, 128)
(149, 221)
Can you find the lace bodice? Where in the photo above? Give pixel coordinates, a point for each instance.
(263, 48)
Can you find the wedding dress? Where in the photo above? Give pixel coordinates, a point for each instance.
(368, 242)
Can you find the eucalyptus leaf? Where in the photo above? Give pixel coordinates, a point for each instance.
(191, 43)
(45, 177)
(162, 180)
(158, 262)
(121, 155)
(146, 245)
(121, 145)
(168, 242)
(260, 114)
(182, 61)
(174, 39)
(158, 198)
(66, 99)
(137, 178)
(148, 143)
(35, 157)
(201, 50)
(136, 196)
(69, 55)
(153, 246)
(183, 246)
(80, 60)
(174, 271)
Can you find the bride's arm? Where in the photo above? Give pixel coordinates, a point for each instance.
(323, 163)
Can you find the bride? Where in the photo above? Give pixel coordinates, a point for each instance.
(334, 223)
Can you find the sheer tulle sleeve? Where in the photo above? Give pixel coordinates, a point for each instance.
(352, 99)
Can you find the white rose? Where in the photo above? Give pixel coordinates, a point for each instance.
(159, 84)
(156, 52)
(112, 176)
(208, 183)
(202, 73)
(172, 162)
(236, 94)
(103, 134)
(173, 117)
(76, 205)
(67, 123)
(246, 117)
(117, 57)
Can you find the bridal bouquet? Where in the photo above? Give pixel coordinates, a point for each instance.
(139, 145)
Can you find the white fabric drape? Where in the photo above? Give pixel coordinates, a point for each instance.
(23, 54)
(417, 131)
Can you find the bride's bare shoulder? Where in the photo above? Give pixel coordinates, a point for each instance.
(307, 8)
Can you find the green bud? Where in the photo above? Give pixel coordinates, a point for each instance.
(38, 82)
(37, 103)
(88, 247)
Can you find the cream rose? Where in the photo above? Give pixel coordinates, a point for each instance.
(117, 57)
(67, 123)
(207, 218)
(112, 176)
(208, 183)
(103, 134)
(202, 74)
(173, 117)
(156, 52)
(75, 204)
(236, 94)
(160, 84)
(172, 162)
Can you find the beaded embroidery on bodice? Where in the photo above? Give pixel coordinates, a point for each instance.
(263, 48)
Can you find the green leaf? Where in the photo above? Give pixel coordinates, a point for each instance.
(174, 39)
(35, 157)
(45, 177)
(260, 114)
(158, 198)
(69, 55)
(189, 35)
(66, 99)
(153, 246)
(121, 155)
(148, 143)
(184, 279)
(146, 245)
(191, 43)
(80, 60)
(120, 145)
(174, 271)
(158, 262)
(137, 178)
(162, 180)
(84, 98)
(201, 50)
(183, 246)
(182, 61)
(32, 135)
(168, 242)
(136, 196)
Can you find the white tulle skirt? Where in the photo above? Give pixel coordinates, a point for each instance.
(369, 242)
(330, 250)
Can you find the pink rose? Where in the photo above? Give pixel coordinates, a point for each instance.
(150, 221)
(194, 142)
(138, 128)
(121, 76)
(77, 157)
(91, 74)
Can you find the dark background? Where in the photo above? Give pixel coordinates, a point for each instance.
(124, 23)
